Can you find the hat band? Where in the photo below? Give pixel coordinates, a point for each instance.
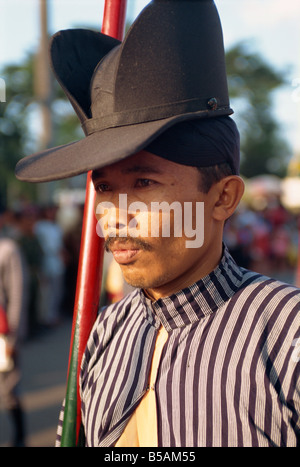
(148, 114)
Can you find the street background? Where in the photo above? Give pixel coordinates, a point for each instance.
(44, 369)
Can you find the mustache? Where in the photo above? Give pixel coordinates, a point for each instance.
(133, 241)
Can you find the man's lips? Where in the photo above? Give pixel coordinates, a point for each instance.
(126, 250)
(124, 256)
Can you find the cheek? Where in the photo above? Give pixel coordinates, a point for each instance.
(168, 255)
(154, 224)
(159, 222)
(139, 224)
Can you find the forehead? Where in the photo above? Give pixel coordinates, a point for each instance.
(140, 163)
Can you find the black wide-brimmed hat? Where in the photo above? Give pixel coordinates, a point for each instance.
(170, 68)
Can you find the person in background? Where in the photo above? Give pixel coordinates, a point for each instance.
(50, 237)
(32, 252)
(13, 317)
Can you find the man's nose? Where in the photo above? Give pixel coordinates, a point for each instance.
(117, 219)
(113, 217)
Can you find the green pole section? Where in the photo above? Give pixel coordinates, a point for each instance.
(69, 432)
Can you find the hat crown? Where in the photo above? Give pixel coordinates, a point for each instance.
(170, 68)
(171, 62)
(102, 84)
(174, 51)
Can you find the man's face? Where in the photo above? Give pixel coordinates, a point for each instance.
(155, 249)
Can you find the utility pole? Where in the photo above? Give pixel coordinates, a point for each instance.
(43, 92)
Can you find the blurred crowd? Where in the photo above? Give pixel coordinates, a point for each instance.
(38, 270)
(265, 240)
(50, 256)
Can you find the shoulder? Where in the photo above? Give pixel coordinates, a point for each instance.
(268, 311)
(109, 320)
(269, 301)
(8, 248)
(8, 244)
(268, 286)
(117, 311)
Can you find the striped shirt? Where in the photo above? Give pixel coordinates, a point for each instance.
(228, 374)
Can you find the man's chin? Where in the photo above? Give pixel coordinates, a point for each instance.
(141, 280)
(135, 281)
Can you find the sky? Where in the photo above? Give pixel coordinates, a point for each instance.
(271, 28)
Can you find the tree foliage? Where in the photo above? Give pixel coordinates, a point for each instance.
(252, 83)
(14, 117)
(20, 125)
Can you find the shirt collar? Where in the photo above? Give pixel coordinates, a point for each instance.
(201, 299)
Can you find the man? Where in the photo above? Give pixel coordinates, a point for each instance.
(50, 237)
(13, 311)
(202, 353)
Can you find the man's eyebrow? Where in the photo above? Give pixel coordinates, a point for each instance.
(97, 174)
(140, 169)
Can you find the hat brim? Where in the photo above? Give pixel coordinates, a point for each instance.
(95, 151)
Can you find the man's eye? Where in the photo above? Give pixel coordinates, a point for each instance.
(144, 182)
(102, 187)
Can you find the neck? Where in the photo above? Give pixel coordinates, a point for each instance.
(186, 279)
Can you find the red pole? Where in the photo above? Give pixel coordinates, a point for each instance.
(89, 269)
(297, 278)
(114, 18)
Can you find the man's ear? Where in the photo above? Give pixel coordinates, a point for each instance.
(228, 192)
